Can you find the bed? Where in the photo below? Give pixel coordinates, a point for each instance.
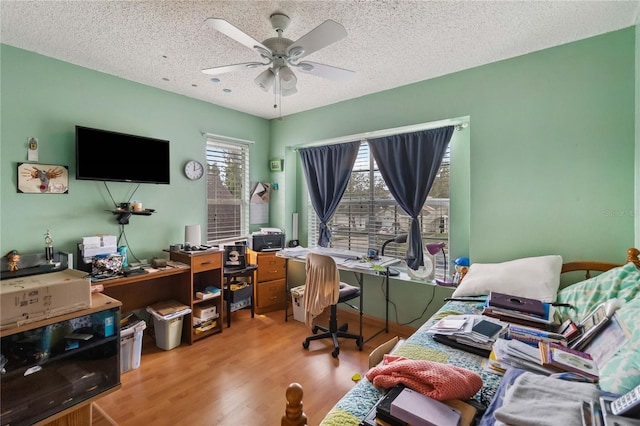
(621, 281)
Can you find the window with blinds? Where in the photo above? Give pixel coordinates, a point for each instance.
(368, 215)
(227, 191)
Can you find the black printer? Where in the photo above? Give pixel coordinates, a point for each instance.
(266, 242)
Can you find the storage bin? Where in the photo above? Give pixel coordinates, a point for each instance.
(297, 300)
(239, 294)
(131, 344)
(168, 328)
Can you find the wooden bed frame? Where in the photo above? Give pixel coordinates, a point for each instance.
(294, 414)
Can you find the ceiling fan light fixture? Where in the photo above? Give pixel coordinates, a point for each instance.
(288, 79)
(265, 79)
(288, 92)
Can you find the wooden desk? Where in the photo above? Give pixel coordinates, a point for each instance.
(180, 284)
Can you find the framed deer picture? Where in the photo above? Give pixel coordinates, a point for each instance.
(35, 178)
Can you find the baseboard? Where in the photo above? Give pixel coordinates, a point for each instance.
(352, 317)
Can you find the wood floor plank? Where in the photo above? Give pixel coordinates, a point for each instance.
(239, 377)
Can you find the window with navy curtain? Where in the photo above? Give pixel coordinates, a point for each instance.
(327, 170)
(409, 164)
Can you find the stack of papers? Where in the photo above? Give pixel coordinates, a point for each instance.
(546, 358)
(471, 330)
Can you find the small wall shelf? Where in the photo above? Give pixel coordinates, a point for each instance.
(122, 216)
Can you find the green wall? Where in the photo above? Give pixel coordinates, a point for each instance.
(550, 158)
(46, 98)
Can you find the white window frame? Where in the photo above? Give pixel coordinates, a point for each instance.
(216, 148)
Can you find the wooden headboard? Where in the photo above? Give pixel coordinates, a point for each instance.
(588, 266)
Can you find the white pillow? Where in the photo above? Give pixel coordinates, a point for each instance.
(532, 277)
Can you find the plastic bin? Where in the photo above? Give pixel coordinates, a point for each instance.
(297, 300)
(168, 328)
(131, 344)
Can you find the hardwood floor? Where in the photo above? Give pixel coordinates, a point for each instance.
(239, 377)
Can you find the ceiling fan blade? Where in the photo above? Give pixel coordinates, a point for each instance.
(326, 71)
(321, 36)
(230, 68)
(235, 33)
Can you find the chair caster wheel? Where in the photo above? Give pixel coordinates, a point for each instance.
(360, 343)
(305, 344)
(335, 352)
(315, 330)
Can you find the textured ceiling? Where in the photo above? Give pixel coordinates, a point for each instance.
(165, 44)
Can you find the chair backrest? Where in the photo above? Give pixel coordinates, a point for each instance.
(322, 286)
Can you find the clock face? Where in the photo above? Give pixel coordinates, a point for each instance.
(193, 170)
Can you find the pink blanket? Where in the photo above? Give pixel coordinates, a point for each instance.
(433, 379)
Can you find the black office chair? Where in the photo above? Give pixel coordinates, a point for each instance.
(323, 287)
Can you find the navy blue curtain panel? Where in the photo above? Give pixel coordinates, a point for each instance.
(409, 164)
(327, 169)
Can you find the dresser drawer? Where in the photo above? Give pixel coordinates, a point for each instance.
(271, 267)
(270, 293)
(206, 262)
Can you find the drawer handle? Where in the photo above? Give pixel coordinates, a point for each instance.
(273, 271)
(206, 263)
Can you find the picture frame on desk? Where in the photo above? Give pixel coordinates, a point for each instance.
(235, 256)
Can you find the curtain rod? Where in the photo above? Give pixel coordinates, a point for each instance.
(227, 138)
(458, 123)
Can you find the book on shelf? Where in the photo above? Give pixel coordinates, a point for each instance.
(567, 359)
(519, 304)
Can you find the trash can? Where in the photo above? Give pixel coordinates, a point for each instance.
(297, 300)
(167, 322)
(131, 332)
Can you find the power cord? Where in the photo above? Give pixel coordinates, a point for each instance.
(129, 251)
(395, 308)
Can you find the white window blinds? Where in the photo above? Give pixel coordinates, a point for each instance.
(227, 191)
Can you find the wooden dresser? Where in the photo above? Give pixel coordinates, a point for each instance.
(270, 279)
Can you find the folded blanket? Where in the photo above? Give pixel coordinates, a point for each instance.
(536, 400)
(433, 379)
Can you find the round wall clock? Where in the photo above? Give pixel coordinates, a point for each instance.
(193, 170)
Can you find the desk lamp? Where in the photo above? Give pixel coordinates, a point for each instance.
(400, 239)
(432, 250)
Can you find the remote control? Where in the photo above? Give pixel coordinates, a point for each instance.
(627, 404)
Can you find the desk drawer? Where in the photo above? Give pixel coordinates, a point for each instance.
(270, 293)
(271, 268)
(206, 262)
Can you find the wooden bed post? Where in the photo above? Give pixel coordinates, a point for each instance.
(293, 414)
(632, 256)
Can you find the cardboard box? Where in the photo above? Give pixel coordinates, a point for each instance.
(37, 297)
(205, 312)
(96, 251)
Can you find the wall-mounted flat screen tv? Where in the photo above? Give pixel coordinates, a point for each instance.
(110, 156)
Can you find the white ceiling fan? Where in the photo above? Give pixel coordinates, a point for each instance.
(282, 54)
